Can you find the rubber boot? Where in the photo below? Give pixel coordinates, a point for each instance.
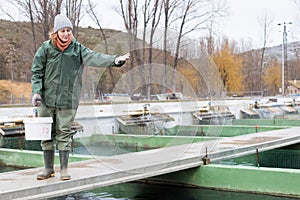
(64, 158)
(48, 161)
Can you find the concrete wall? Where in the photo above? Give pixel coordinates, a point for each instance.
(23, 158)
(275, 181)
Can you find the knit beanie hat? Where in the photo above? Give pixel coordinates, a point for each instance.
(61, 21)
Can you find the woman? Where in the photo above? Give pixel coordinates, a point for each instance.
(56, 86)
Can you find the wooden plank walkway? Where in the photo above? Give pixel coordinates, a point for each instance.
(112, 170)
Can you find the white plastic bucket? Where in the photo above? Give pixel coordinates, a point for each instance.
(38, 128)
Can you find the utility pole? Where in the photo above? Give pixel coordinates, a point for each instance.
(284, 72)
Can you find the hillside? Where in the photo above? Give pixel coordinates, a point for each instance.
(275, 53)
(16, 40)
(17, 51)
(21, 92)
(17, 48)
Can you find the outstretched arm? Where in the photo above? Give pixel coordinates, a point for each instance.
(96, 59)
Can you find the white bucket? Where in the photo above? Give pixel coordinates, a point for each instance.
(38, 128)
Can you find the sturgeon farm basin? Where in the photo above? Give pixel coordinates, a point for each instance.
(259, 156)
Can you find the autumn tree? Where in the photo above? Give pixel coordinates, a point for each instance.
(230, 67)
(272, 78)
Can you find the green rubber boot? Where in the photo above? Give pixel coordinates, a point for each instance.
(48, 161)
(64, 158)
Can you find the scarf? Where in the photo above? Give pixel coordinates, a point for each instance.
(63, 45)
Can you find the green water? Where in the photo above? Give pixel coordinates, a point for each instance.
(4, 168)
(275, 158)
(141, 191)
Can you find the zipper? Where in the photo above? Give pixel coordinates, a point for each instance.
(59, 71)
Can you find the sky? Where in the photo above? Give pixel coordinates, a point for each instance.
(245, 16)
(241, 23)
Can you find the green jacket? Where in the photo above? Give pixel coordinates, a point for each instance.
(57, 75)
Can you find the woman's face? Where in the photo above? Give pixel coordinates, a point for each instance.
(64, 34)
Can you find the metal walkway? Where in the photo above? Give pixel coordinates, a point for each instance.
(112, 170)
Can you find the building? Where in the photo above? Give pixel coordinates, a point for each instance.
(293, 87)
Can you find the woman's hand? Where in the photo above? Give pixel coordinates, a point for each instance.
(120, 60)
(36, 100)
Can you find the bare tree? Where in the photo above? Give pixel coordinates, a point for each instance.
(266, 23)
(96, 19)
(146, 20)
(193, 16)
(39, 12)
(155, 16)
(32, 25)
(129, 13)
(169, 8)
(297, 51)
(150, 13)
(42, 12)
(73, 11)
(297, 2)
(188, 15)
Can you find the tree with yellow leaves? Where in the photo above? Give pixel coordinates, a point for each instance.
(230, 67)
(272, 78)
